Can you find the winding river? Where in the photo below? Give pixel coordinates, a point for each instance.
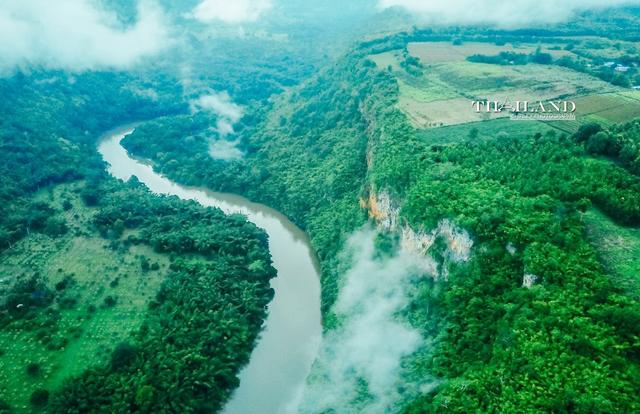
(273, 380)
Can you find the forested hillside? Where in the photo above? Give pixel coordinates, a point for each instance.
(468, 263)
(533, 322)
(49, 128)
(108, 292)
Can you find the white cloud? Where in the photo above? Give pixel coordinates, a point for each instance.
(368, 347)
(219, 103)
(232, 12)
(221, 149)
(75, 35)
(228, 113)
(503, 13)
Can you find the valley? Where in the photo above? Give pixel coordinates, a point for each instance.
(517, 189)
(299, 211)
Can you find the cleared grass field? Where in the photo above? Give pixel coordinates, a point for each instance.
(568, 127)
(443, 94)
(466, 81)
(443, 113)
(608, 108)
(619, 249)
(631, 94)
(426, 89)
(386, 59)
(438, 52)
(473, 78)
(104, 300)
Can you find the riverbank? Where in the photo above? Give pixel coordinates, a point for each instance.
(288, 344)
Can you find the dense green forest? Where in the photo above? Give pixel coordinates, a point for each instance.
(573, 316)
(113, 299)
(202, 324)
(316, 190)
(215, 262)
(567, 343)
(48, 138)
(91, 265)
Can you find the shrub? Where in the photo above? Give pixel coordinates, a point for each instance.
(123, 356)
(33, 369)
(110, 301)
(39, 397)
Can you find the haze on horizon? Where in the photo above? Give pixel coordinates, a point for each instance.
(80, 35)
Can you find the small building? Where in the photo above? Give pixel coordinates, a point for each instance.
(637, 87)
(609, 64)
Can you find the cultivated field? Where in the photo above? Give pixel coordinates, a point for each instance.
(440, 93)
(604, 108)
(102, 296)
(439, 52)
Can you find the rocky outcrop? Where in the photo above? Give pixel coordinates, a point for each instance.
(386, 213)
(383, 210)
(528, 280)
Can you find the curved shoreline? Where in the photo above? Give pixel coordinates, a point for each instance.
(275, 376)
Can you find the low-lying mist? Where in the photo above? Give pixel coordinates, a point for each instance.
(360, 363)
(513, 13)
(76, 35)
(228, 114)
(237, 11)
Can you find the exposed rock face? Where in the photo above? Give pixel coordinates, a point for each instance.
(383, 210)
(386, 212)
(528, 280)
(458, 241)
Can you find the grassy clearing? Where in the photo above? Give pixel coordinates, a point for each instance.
(386, 59)
(619, 248)
(429, 88)
(438, 52)
(592, 104)
(104, 300)
(607, 108)
(469, 76)
(568, 127)
(443, 113)
(441, 95)
(631, 94)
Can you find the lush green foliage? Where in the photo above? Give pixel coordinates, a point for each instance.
(566, 341)
(513, 58)
(200, 328)
(47, 135)
(549, 348)
(318, 188)
(202, 325)
(619, 142)
(569, 343)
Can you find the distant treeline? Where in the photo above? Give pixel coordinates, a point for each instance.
(513, 58)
